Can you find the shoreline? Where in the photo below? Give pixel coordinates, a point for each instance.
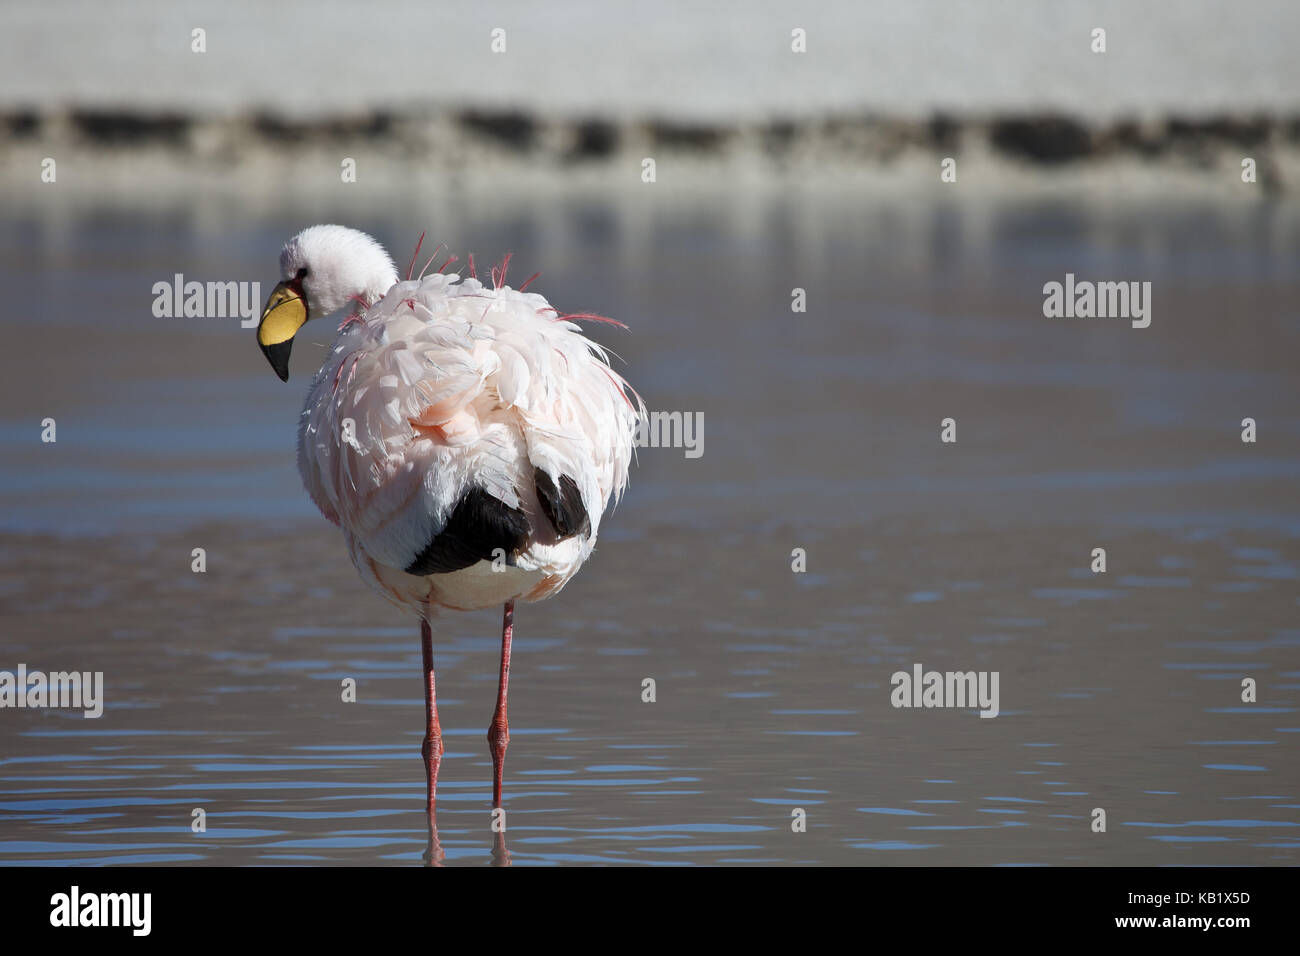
(162, 153)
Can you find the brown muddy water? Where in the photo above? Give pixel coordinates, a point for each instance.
(1119, 690)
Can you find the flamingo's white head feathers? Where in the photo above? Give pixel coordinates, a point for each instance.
(324, 269)
(337, 265)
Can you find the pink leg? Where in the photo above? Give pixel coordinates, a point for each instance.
(432, 747)
(499, 732)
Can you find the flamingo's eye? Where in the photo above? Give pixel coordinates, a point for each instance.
(302, 273)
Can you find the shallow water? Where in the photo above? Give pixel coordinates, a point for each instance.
(1118, 690)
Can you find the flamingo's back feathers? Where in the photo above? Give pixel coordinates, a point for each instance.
(444, 392)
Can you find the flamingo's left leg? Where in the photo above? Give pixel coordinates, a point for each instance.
(499, 731)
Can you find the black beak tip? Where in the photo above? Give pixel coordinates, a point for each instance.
(278, 356)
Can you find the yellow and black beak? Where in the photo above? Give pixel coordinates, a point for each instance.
(284, 315)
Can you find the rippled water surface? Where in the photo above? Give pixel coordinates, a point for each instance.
(1120, 691)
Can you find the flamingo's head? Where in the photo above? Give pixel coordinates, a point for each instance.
(322, 269)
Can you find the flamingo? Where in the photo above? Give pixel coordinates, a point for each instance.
(466, 439)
